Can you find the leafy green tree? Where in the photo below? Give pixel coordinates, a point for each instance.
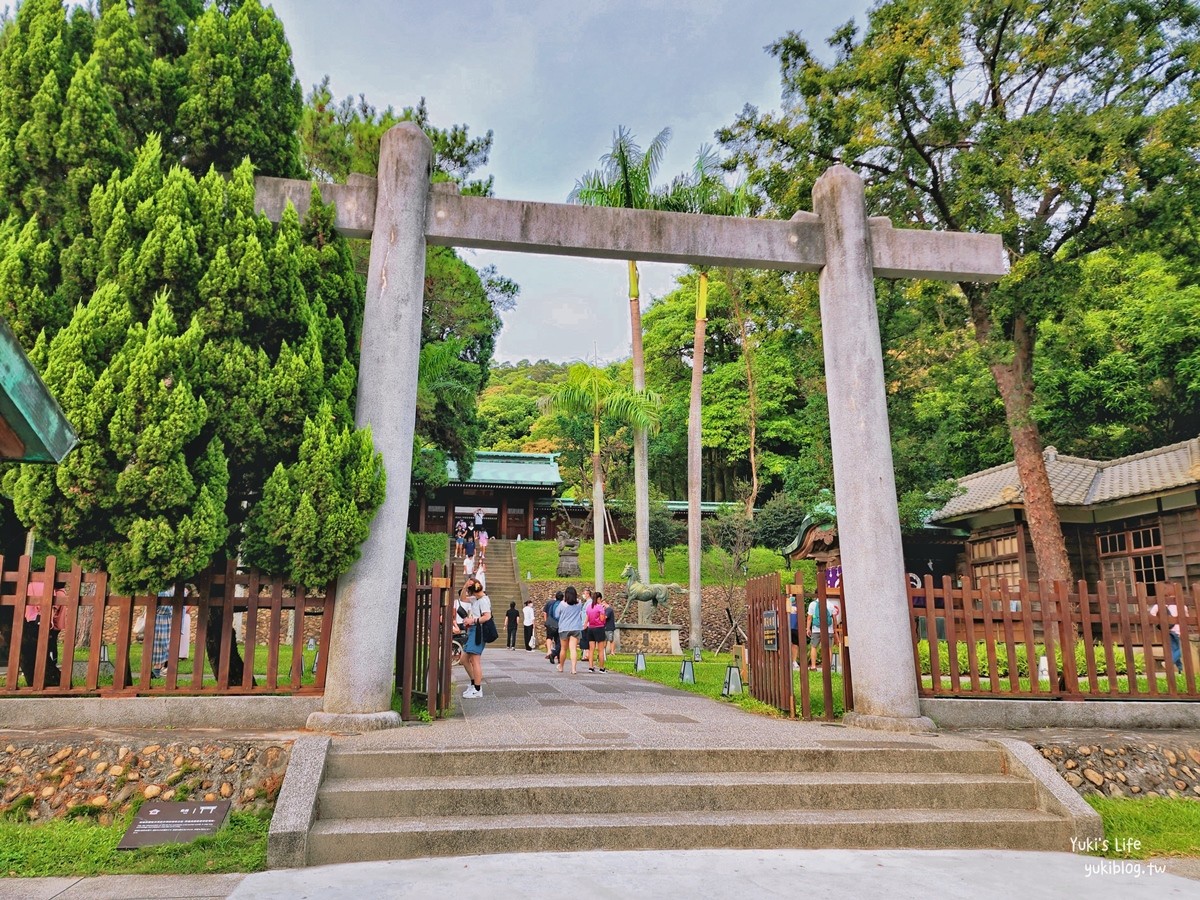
(592, 392)
(778, 522)
(665, 532)
(241, 96)
(1062, 126)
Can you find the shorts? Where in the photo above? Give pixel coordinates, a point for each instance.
(609, 635)
(474, 644)
(552, 634)
(459, 541)
(567, 635)
(597, 635)
(796, 637)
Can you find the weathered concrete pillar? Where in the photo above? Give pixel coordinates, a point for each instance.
(885, 689)
(358, 688)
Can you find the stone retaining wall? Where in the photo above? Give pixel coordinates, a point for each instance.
(43, 780)
(1118, 767)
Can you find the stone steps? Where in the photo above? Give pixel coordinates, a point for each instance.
(391, 804)
(892, 757)
(343, 840)
(534, 794)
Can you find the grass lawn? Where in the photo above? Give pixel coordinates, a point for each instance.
(187, 666)
(79, 846)
(541, 558)
(1144, 827)
(710, 679)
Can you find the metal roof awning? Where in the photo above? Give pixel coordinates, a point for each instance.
(33, 427)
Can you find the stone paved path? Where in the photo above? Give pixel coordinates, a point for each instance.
(527, 702)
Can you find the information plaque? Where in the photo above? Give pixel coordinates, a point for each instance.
(173, 823)
(770, 629)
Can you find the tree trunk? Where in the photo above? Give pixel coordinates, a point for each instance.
(694, 468)
(1014, 379)
(751, 390)
(641, 479)
(598, 520)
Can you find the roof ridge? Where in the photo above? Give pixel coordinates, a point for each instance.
(1193, 445)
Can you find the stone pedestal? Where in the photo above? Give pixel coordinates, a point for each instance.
(658, 640)
(568, 565)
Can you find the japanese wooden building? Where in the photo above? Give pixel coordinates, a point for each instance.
(505, 486)
(1130, 520)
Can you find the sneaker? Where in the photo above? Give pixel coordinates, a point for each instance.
(796, 666)
(472, 692)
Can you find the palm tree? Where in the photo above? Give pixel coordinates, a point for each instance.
(591, 391)
(625, 179)
(704, 191)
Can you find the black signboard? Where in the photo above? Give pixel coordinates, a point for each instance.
(770, 629)
(173, 823)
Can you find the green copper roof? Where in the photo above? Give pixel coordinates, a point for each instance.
(504, 469)
(37, 430)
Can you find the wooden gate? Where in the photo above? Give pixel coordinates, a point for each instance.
(769, 650)
(423, 640)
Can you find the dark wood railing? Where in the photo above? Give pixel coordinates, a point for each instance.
(424, 639)
(90, 648)
(981, 640)
(769, 644)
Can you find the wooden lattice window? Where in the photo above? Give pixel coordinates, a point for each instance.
(1133, 556)
(995, 560)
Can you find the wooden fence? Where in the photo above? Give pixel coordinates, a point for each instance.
(769, 652)
(424, 639)
(1054, 641)
(769, 647)
(89, 646)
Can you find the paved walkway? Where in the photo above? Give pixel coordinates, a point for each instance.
(527, 702)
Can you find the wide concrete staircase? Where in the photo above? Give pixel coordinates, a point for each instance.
(402, 804)
(502, 585)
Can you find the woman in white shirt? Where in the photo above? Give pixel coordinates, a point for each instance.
(472, 659)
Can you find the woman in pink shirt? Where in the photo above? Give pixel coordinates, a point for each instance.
(596, 616)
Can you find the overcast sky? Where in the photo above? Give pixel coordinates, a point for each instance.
(553, 79)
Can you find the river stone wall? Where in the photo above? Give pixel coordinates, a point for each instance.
(44, 780)
(1129, 768)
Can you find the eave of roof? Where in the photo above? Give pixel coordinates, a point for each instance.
(36, 428)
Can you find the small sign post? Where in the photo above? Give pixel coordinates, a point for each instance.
(770, 629)
(173, 823)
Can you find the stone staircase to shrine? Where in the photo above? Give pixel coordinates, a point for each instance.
(394, 804)
(502, 585)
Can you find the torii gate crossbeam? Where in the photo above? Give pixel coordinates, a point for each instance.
(401, 213)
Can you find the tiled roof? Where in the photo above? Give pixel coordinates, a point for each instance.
(523, 469)
(1083, 482)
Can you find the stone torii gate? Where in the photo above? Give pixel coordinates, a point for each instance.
(401, 212)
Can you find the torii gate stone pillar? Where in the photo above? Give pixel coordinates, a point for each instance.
(401, 213)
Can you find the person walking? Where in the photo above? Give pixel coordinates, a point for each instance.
(596, 637)
(460, 537)
(527, 620)
(472, 658)
(570, 628)
(510, 620)
(469, 545)
(610, 628)
(481, 542)
(550, 617)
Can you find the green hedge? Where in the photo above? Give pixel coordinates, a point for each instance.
(1003, 666)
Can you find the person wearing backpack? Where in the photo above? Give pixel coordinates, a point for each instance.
(550, 618)
(833, 615)
(472, 659)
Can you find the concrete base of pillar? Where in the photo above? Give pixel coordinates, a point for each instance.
(352, 723)
(914, 725)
